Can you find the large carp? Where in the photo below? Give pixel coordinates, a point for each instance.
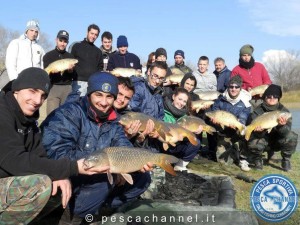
(201, 104)
(175, 78)
(61, 65)
(159, 126)
(259, 90)
(177, 133)
(125, 160)
(225, 118)
(192, 123)
(208, 95)
(125, 72)
(267, 121)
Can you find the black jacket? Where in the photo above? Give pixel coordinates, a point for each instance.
(56, 78)
(21, 151)
(89, 59)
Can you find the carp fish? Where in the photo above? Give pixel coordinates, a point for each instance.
(208, 95)
(225, 118)
(60, 65)
(201, 104)
(125, 72)
(192, 123)
(159, 126)
(177, 133)
(125, 160)
(259, 90)
(175, 78)
(267, 121)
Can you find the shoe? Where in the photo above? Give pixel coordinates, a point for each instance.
(286, 165)
(258, 164)
(244, 165)
(181, 165)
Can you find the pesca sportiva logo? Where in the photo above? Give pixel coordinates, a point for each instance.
(274, 198)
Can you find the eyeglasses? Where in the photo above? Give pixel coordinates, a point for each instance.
(156, 77)
(272, 96)
(234, 86)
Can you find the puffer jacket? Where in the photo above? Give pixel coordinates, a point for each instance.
(146, 99)
(72, 131)
(23, 53)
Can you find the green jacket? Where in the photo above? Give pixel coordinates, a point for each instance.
(169, 118)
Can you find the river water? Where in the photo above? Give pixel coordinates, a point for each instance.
(296, 124)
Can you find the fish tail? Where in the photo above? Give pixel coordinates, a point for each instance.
(242, 129)
(248, 132)
(165, 163)
(48, 70)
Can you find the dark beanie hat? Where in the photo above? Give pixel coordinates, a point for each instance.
(122, 41)
(160, 51)
(246, 49)
(273, 89)
(236, 80)
(179, 52)
(103, 81)
(32, 77)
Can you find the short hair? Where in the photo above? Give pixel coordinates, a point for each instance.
(159, 64)
(219, 59)
(107, 34)
(203, 58)
(127, 83)
(93, 26)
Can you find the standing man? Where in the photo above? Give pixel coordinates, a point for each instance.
(27, 176)
(25, 51)
(205, 81)
(106, 48)
(77, 129)
(89, 59)
(179, 62)
(122, 58)
(61, 83)
(222, 74)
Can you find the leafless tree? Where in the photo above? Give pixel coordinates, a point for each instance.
(284, 68)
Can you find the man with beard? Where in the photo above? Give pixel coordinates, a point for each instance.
(253, 73)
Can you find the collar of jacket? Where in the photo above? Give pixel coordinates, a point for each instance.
(87, 42)
(60, 51)
(153, 90)
(16, 109)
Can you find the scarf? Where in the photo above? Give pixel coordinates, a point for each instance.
(177, 113)
(246, 65)
(270, 108)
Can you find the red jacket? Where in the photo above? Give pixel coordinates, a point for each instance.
(253, 77)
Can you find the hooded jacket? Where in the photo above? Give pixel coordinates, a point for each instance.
(23, 53)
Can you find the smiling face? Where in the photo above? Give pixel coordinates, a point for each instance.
(156, 76)
(180, 100)
(234, 90)
(246, 57)
(189, 85)
(30, 100)
(123, 97)
(92, 35)
(102, 101)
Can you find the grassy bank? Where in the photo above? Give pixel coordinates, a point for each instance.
(291, 99)
(243, 188)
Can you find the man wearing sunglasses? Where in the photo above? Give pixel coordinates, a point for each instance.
(230, 144)
(281, 138)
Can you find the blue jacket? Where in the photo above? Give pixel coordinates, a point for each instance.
(223, 79)
(239, 109)
(72, 131)
(129, 60)
(146, 99)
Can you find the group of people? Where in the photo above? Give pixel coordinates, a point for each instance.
(84, 106)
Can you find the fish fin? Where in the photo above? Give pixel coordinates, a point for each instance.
(210, 130)
(165, 163)
(127, 177)
(248, 131)
(48, 70)
(161, 133)
(62, 72)
(165, 146)
(197, 110)
(269, 130)
(222, 126)
(173, 144)
(192, 138)
(110, 178)
(241, 129)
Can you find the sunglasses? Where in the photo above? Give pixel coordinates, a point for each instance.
(234, 86)
(272, 96)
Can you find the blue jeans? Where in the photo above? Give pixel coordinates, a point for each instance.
(92, 192)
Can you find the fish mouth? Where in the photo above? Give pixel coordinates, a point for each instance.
(87, 165)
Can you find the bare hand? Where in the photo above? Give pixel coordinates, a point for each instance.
(258, 129)
(132, 128)
(82, 169)
(147, 167)
(66, 190)
(119, 181)
(199, 130)
(282, 120)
